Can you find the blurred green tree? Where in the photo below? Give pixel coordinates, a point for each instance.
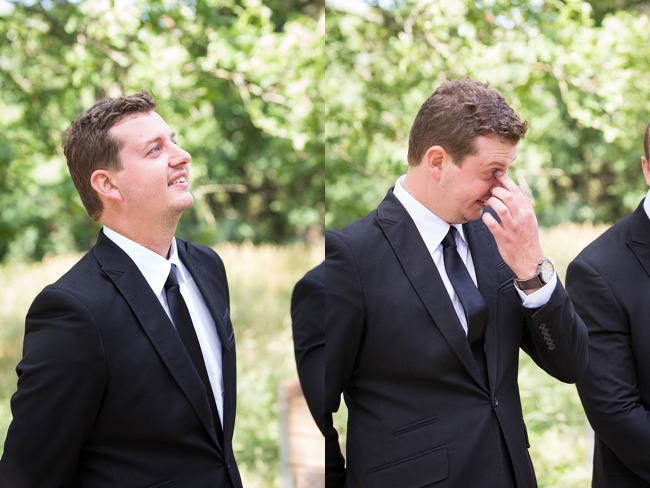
(582, 87)
(240, 81)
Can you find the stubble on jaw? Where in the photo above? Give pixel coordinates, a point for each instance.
(174, 213)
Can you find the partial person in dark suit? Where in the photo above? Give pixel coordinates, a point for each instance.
(128, 370)
(428, 300)
(308, 323)
(609, 283)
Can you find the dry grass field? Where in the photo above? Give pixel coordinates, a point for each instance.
(261, 280)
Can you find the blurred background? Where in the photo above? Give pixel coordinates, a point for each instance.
(241, 83)
(576, 70)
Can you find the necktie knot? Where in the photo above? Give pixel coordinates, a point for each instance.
(172, 279)
(450, 238)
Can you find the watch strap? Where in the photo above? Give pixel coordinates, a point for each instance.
(529, 284)
(534, 282)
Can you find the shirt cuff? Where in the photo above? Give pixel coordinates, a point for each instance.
(540, 297)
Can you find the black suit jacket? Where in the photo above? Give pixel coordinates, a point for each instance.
(308, 323)
(107, 394)
(418, 412)
(609, 283)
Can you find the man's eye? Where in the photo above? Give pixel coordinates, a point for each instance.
(155, 149)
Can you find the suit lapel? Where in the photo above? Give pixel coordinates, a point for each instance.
(639, 242)
(196, 269)
(135, 290)
(406, 242)
(201, 278)
(485, 258)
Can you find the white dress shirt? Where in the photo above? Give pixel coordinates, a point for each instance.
(646, 204)
(433, 230)
(155, 270)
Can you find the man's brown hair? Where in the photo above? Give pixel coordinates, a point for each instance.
(456, 114)
(646, 142)
(88, 146)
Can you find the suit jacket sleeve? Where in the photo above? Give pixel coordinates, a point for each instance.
(344, 318)
(61, 378)
(308, 324)
(344, 327)
(609, 390)
(564, 354)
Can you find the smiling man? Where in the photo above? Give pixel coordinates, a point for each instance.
(428, 300)
(128, 370)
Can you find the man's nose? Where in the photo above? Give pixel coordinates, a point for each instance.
(495, 183)
(181, 156)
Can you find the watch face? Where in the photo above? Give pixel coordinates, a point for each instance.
(546, 273)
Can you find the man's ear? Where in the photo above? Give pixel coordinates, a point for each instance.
(646, 169)
(435, 159)
(105, 184)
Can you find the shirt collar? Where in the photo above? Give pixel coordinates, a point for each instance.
(428, 224)
(153, 267)
(646, 204)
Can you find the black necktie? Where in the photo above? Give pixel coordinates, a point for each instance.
(185, 328)
(476, 310)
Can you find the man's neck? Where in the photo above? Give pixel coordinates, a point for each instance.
(415, 185)
(156, 240)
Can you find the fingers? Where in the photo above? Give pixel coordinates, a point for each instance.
(505, 203)
(505, 180)
(517, 191)
(491, 222)
(497, 230)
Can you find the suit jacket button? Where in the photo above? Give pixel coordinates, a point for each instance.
(542, 325)
(551, 347)
(547, 337)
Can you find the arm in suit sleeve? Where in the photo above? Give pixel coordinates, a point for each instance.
(609, 389)
(61, 379)
(566, 357)
(344, 324)
(308, 314)
(308, 324)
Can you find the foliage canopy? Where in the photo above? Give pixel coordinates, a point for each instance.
(239, 81)
(582, 86)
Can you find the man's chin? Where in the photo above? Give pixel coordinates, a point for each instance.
(470, 216)
(186, 203)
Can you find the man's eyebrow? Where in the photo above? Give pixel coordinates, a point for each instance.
(158, 138)
(499, 164)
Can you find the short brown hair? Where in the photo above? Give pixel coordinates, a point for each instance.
(88, 146)
(456, 114)
(646, 142)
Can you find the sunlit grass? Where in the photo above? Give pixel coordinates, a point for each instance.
(261, 280)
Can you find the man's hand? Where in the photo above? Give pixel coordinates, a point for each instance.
(517, 235)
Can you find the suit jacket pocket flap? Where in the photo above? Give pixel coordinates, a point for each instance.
(164, 484)
(415, 425)
(413, 472)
